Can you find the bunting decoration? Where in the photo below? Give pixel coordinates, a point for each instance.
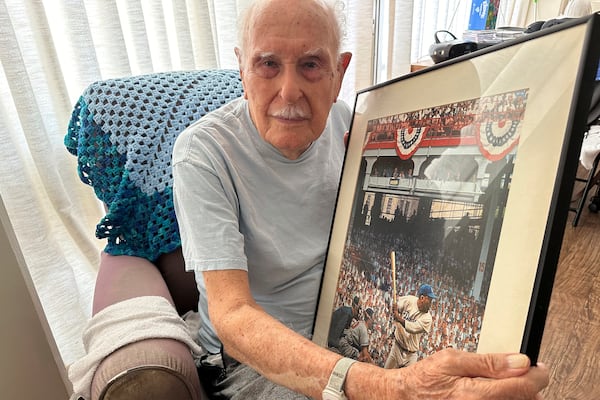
(496, 139)
(408, 140)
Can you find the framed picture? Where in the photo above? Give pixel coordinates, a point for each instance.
(458, 177)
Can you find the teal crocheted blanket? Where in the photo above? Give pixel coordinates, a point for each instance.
(122, 132)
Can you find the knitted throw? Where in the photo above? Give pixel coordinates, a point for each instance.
(122, 132)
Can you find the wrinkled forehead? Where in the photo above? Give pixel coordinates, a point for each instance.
(305, 24)
(295, 10)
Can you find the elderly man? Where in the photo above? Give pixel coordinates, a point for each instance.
(255, 185)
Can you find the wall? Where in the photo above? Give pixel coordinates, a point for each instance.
(30, 367)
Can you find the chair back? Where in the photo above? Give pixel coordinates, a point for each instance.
(122, 132)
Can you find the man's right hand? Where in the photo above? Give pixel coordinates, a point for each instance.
(454, 375)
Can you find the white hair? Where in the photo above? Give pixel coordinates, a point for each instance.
(333, 9)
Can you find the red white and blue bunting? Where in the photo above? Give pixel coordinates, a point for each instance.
(408, 140)
(497, 139)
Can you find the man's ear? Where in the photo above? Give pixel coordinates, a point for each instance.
(345, 61)
(342, 66)
(238, 54)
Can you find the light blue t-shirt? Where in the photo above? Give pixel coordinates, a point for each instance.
(240, 204)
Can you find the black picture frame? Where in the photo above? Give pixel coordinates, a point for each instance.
(464, 170)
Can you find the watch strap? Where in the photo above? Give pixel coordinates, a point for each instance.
(338, 377)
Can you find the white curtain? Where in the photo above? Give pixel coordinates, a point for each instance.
(51, 212)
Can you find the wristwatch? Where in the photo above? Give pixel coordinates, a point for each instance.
(335, 387)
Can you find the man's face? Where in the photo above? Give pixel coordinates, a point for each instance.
(291, 75)
(424, 303)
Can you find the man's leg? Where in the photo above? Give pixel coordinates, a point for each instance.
(240, 382)
(410, 358)
(392, 359)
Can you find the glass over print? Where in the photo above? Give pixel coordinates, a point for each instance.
(459, 177)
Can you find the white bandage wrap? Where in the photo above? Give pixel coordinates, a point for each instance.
(129, 321)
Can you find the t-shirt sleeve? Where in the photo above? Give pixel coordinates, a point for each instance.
(206, 207)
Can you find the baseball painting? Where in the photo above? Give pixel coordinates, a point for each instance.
(449, 209)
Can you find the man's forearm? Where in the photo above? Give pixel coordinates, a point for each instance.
(291, 360)
(253, 337)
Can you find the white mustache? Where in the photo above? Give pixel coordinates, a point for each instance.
(291, 112)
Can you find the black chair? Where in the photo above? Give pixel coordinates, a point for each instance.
(590, 180)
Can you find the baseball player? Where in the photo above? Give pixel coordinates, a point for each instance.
(411, 319)
(354, 343)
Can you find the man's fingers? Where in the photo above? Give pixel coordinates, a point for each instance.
(453, 374)
(507, 375)
(462, 363)
(526, 386)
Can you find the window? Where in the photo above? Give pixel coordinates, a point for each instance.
(405, 29)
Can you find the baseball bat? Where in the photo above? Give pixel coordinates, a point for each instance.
(393, 258)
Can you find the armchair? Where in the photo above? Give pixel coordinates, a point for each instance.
(122, 132)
